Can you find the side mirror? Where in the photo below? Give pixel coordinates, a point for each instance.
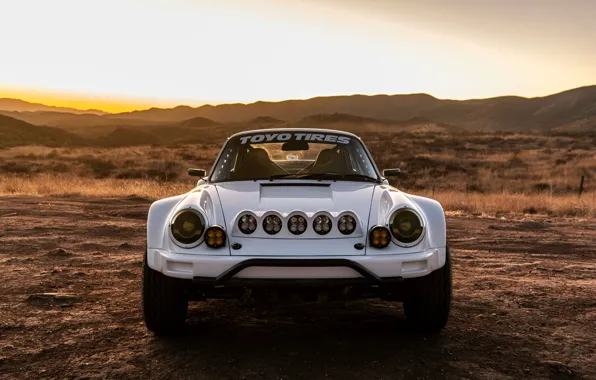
(391, 172)
(197, 172)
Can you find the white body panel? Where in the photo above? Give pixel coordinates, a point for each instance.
(189, 266)
(221, 203)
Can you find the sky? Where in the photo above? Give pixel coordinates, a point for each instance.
(120, 55)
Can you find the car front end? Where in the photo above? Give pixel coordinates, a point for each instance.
(295, 226)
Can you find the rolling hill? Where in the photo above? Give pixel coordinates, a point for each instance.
(197, 122)
(358, 124)
(14, 132)
(580, 126)
(71, 120)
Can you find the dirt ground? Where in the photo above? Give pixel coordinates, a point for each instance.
(524, 307)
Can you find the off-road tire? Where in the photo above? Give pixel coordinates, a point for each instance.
(428, 299)
(164, 301)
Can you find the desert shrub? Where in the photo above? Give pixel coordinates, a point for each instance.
(474, 188)
(101, 168)
(162, 175)
(541, 187)
(434, 167)
(155, 154)
(189, 156)
(418, 163)
(16, 168)
(30, 156)
(60, 167)
(583, 145)
(515, 161)
(132, 174)
(164, 170)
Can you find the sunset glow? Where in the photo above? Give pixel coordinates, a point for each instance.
(121, 55)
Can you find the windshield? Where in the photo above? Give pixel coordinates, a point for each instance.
(287, 155)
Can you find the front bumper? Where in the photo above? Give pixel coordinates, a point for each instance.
(222, 269)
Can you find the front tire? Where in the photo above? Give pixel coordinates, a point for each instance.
(428, 300)
(164, 302)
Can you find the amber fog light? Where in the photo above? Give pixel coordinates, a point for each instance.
(215, 237)
(379, 237)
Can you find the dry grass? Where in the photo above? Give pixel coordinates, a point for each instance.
(501, 204)
(142, 162)
(474, 173)
(46, 184)
(495, 204)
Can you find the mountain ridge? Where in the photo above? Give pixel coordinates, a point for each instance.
(503, 113)
(19, 105)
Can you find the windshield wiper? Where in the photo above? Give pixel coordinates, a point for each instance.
(285, 175)
(345, 176)
(328, 176)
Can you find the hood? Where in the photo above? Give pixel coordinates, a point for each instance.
(286, 197)
(306, 198)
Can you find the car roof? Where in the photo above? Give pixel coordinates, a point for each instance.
(309, 130)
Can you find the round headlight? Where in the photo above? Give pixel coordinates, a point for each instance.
(406, 226)
(322, 224)
(187, 227)
(346, 224)
(297, 224)
(247, 224)
(272, 224)
(215, 237)
(379, 237)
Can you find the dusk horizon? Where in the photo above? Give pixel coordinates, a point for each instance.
(123, 107)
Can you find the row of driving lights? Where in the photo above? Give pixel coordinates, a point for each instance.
(405, 226)
(297, 224)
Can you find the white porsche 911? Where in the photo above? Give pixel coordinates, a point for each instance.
(296, 212)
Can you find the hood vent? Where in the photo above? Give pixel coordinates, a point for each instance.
(296, 184)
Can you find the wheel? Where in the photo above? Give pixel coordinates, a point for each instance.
(428, 299)
(164, 302)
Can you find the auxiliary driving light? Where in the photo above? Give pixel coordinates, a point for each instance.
(247, 224)
(322, 224)
(187, 227)
(272, 224)
(297, 224)
(406, 226)
(346, 224)
(215, 237)
(379, 237)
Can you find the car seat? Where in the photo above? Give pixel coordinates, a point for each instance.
(256, 164)
(329, 161)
